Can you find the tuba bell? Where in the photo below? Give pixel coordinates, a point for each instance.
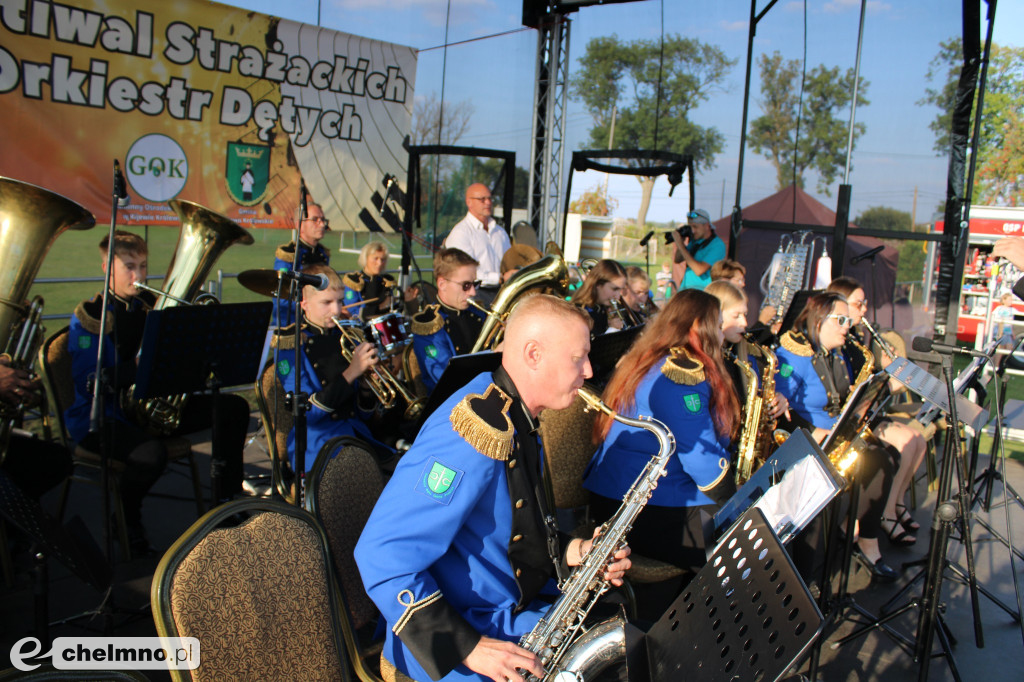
(204, 236)
(31, 219)
(549, 272)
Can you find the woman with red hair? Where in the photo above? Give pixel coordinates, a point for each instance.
(674, 373)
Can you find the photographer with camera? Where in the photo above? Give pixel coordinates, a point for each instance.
(697, 249)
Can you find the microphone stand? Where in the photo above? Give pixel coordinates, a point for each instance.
(97, 416)
(296, 400)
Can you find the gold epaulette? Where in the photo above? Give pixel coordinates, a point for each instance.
(797, 344)
(483, 421)
(284, 254)
(682, 368)
(428, 321)
(353, 281)
(89, 321)
(389, 280)
(284, 338)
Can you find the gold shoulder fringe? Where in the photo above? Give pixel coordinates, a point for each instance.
(285, 252)
(389, 280)
(353, 281)
(89, 323)
(683, 369)
(796, 344)
(486, 439)
(428, 321)
(284, 338)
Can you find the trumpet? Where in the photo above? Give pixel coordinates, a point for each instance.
(386, 387)
(629, 318)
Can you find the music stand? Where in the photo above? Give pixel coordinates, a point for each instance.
(191, 349)
(460, 370)
(790, 488)
(747, 615)
(796, 306)
(607, 349)
(71, 544)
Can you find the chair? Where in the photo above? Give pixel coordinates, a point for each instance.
(54, 362)
(568, 448)
(47, 673)
(258, 595)
(342, 488)
(277, 424)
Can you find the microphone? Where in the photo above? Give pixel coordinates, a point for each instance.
(647, 238)
(389, 181)
(302, 199)
(318, 282)
(924, 345)
(120, 186)
(866, 255)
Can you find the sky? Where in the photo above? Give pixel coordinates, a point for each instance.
(490, 62)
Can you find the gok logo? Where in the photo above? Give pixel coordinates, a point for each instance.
(157, 167)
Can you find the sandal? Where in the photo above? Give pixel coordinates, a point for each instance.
(906, 520)
(897, 534)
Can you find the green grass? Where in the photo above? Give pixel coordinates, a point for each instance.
(1014, 450)
(76, 254)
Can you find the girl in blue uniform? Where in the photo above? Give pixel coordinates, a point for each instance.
(604, 284)
(815, 377)
(674, 373)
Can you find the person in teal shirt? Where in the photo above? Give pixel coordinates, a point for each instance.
(696, 254)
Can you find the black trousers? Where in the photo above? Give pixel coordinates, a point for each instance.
(232, 429)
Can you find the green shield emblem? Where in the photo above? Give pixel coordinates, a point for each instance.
(440, 478)
(247, 172)
(431, 351)
(785, 370)
(84, 342)
(692, 402)
(284, 368)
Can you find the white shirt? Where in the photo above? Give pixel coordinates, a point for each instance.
(485, 244)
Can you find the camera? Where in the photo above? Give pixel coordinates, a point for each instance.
(684, 230)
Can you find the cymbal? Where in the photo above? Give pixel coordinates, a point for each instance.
(263, 281)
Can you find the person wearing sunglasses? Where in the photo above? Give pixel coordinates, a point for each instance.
(814, 375)
(695, 254)
(479, 235)
(906, 443)
(449, 327)
(311, 252)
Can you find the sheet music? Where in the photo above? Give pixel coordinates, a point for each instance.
(934, 391)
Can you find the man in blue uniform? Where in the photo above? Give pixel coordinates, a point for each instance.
(457, 548)
(450, 327)
(311, 252)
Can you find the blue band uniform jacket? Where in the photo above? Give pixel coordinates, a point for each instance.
(816, 383)
(127, 320)
(333, 401)
(439, 334)
(362, 287)
(457, 546)
(284, 308)
(676, 392)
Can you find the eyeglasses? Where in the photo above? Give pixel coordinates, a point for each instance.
(320, 219)
(483, 199)
(693, 215)
(843, 320)
(466, 286)
(863, 305)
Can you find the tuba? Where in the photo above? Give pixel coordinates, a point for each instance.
(204, 236)
(559, 639)
(31, 219)
(550, 271)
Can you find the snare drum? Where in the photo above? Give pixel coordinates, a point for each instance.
(390, 333)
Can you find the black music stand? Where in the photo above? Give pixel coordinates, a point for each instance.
(460, 370)
(71, 544)
(747, 615)
(191, 349)
(607, 349)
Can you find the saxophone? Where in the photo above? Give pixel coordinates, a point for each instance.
(753, 408)
(559, 637)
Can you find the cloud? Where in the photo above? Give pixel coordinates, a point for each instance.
(733, 25)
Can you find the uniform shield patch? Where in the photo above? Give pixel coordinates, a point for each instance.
(431, 351)
(439, 481)
(785, 370)
(692, 402)
(284, 368)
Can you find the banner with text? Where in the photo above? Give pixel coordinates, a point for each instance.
(224, 107)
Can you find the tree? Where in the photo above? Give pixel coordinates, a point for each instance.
(999, 178)
(429, 116)
(648, 88)
(883, 218)
(594, 202)
(824, 120)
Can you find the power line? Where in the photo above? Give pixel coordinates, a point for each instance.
(473, 40)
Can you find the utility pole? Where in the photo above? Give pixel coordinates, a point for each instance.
(913, 211)
(611, 141)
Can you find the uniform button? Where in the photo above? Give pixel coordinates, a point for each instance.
(519, 572)
(517, 538)
(512, 464)
(323, 382)
(519, 504)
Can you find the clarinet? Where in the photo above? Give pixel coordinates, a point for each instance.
(560, 627)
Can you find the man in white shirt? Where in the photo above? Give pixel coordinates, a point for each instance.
(479, 235)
